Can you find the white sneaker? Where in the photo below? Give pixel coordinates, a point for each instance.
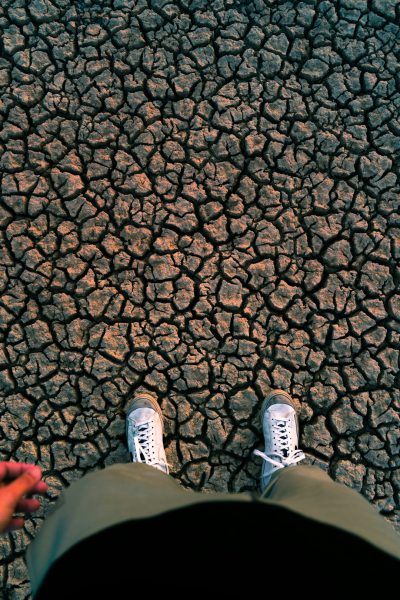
(144, 432)
(281, 432)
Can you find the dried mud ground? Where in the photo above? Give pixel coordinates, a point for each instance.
(200, 199)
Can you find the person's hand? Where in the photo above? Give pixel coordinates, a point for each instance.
(16, 481)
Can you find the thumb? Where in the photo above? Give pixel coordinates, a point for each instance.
(23, 484)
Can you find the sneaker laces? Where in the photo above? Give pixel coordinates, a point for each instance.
(285, 456)
(144, 444)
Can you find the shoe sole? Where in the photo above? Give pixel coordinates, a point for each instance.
(267, 399)
(153, 402)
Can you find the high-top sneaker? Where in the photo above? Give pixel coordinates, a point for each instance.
(281, 432)
(144, 431)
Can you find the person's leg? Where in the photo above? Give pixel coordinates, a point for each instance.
(97, 501)
(115, 494)
(308, 490)
(112, 495)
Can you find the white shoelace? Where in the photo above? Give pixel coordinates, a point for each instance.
(143, 439)
(282, 440)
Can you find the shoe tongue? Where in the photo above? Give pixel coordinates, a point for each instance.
(142, 415)
(282, 411)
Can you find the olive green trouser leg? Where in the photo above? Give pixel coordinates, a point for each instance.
(104, 498)
(310, 491)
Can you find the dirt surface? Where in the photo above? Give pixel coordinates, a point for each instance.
(200, 199)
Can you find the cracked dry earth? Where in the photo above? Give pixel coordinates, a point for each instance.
(200, 199)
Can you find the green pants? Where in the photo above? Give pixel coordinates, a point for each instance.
(133, 491)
